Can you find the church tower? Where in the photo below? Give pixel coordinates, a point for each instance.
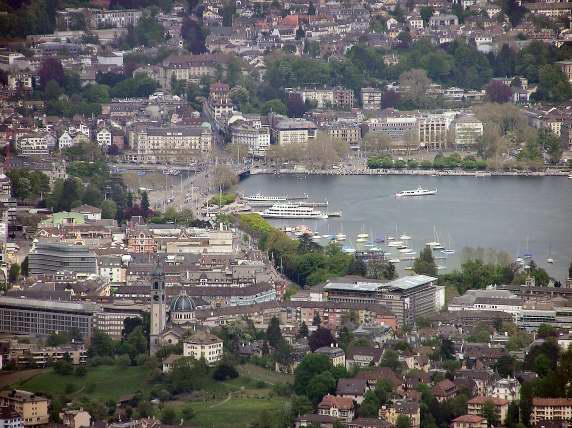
(158, 308)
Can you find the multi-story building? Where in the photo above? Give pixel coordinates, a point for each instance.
(506, 389)
(467, 130)
(476, 405)
(548, 409)
(203, 345)
(75, 418)
(566, 135)
(103, 138)
(219, 104)
(20, 81)
(347, 132)
(408, 298)
(50, 258)
(371, 98)
(487, 300)
(256, 139)
(549, 9)
(324, 97)
(175, 144)
(397, 126)
(409, 409)
(469, 421)
(432, 131)
(33, 144)
(9, 58)
(566, 67)
(338, 407)
(442, 20)
(9, 418)
(190, 68)
(32, 408)
(288, 131)
(44, 317)
(116, 18)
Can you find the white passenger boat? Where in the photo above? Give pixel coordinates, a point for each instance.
(289, 210)
(259, 197)
(417, 192)
(405, 237)
(395, 244)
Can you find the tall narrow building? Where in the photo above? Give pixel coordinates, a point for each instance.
(158, 309)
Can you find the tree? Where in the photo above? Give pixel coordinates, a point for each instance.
(498, 92)
(145, 204)
(310, 366)
(403, 421)
(369, 408)
(553, 84)
(414, 85)
(274, 105)
(63, 368)
(321, 337)
(273, 332)
(321, 384)
(505, 366)
(108, 209)
(52, 91)
(426, 12)
(168, 416)
(224, 371)
(303, 332)
(224, 177)
(13, 273)
(390, 359)
(311, 9)
(425, 264)
(316, 321)
(23, 189)
(51, 69)
(490, 413)
(194, 36)
(101, 345)
(345, 338)
(295, 105)
(390, 99)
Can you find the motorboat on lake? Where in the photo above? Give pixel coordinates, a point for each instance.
(417, 192)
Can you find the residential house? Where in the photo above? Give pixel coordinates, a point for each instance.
(407, 408)
(363, 356)
(203, 345)
(352, 388)
(444, 390)
(506, 389)
(103, 138)
(339, 407)
(72, 418)
(65, 140)
(469, 421)
(336, 355)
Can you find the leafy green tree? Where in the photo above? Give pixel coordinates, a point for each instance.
(390, 359)
(108, 209)
(101, 344)
(403, 421)
(553, 84)
(321, 384)
(145, 204)
(52, 91)
(490, 413)
(194, 36)
(168, 416)
(275, 105)
(369, 408)
(23, 188)
(310, 366)
(13, 273)
(303, 332)
(273, 332)
(426, 12)
(425, 264)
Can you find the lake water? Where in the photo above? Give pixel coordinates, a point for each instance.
(515, 214)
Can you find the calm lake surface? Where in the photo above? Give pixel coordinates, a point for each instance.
(515, 214)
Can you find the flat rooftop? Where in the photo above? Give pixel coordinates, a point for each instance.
(404, 283)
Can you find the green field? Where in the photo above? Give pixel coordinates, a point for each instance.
(234, 412)
(109, 382)
(259, 373)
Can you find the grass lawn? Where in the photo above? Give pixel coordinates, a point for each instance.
(260, 373)
(109, 382)
(233, 412)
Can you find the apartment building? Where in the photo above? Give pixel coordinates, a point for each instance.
(348, 132)
(33, 144)
(50, 258)
(32, 408)
(288, 131)
(371, 98)
(476, 405)
(467, 130)
(203, 345)
(548, 409)
(103, 138)
(219, 105)
(9, 418)
(398, 127)
(255, 139)
(190, 68)
(20, 81)
(432, 131)
(174, 144)
(116, 18)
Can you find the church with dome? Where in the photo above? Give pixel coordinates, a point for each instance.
(169, 322)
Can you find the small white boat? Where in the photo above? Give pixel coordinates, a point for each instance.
(394, 260)
(438, 248)
(363, 235)
(328, 237)
(395, 244)
(551, 261)
(402, 247)
(409, 268)
(340, 237)
(390, 238)
(361, 240)
(570, 176)
(405, 251)
(348, 249)
(448, 251)
(405, 237)
(417, 192)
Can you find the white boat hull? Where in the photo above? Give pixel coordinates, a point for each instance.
(294, 216)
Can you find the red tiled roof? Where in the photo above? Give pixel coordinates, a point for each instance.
(342, 403)
(472, 419)
(480, 399)
(551, 401)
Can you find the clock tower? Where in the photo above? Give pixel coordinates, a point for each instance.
(158, 308)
